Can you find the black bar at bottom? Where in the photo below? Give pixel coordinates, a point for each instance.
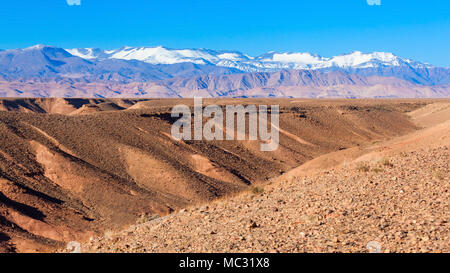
(195, 262)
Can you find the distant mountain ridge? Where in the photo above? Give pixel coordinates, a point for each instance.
(48, 71)
(271, 61)
(48, 62)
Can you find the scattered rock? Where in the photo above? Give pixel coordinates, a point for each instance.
(252, 224)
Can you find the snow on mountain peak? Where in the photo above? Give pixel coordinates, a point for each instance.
(296, 57)
(39, 47)
(360, 59)
(87, 53)
(266, 62)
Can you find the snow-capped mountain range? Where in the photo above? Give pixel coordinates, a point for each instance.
(271, 61)
(49, 71)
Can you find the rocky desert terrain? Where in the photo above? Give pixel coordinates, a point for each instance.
(393, 196)
(106, 172)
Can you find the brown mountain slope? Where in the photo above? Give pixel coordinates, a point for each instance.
(285, 83)
(393, 195)
(67, 176)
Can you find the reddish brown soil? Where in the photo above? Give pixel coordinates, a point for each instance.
(72, 168)
(392, 194)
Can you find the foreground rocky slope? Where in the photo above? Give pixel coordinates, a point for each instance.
(403, 206)
(393, 193)
(72, 168)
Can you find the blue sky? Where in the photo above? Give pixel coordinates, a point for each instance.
(414, 29)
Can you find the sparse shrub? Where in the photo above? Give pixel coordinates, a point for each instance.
(256, 190)
(363, 167)
(385, 162)
(377, 170)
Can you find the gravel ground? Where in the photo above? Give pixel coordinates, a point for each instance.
(400, 202)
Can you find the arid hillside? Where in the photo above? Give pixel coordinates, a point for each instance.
(73, 168)
(388, 196)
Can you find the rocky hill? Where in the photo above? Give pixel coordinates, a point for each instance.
(73, 168)
(389, 196)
